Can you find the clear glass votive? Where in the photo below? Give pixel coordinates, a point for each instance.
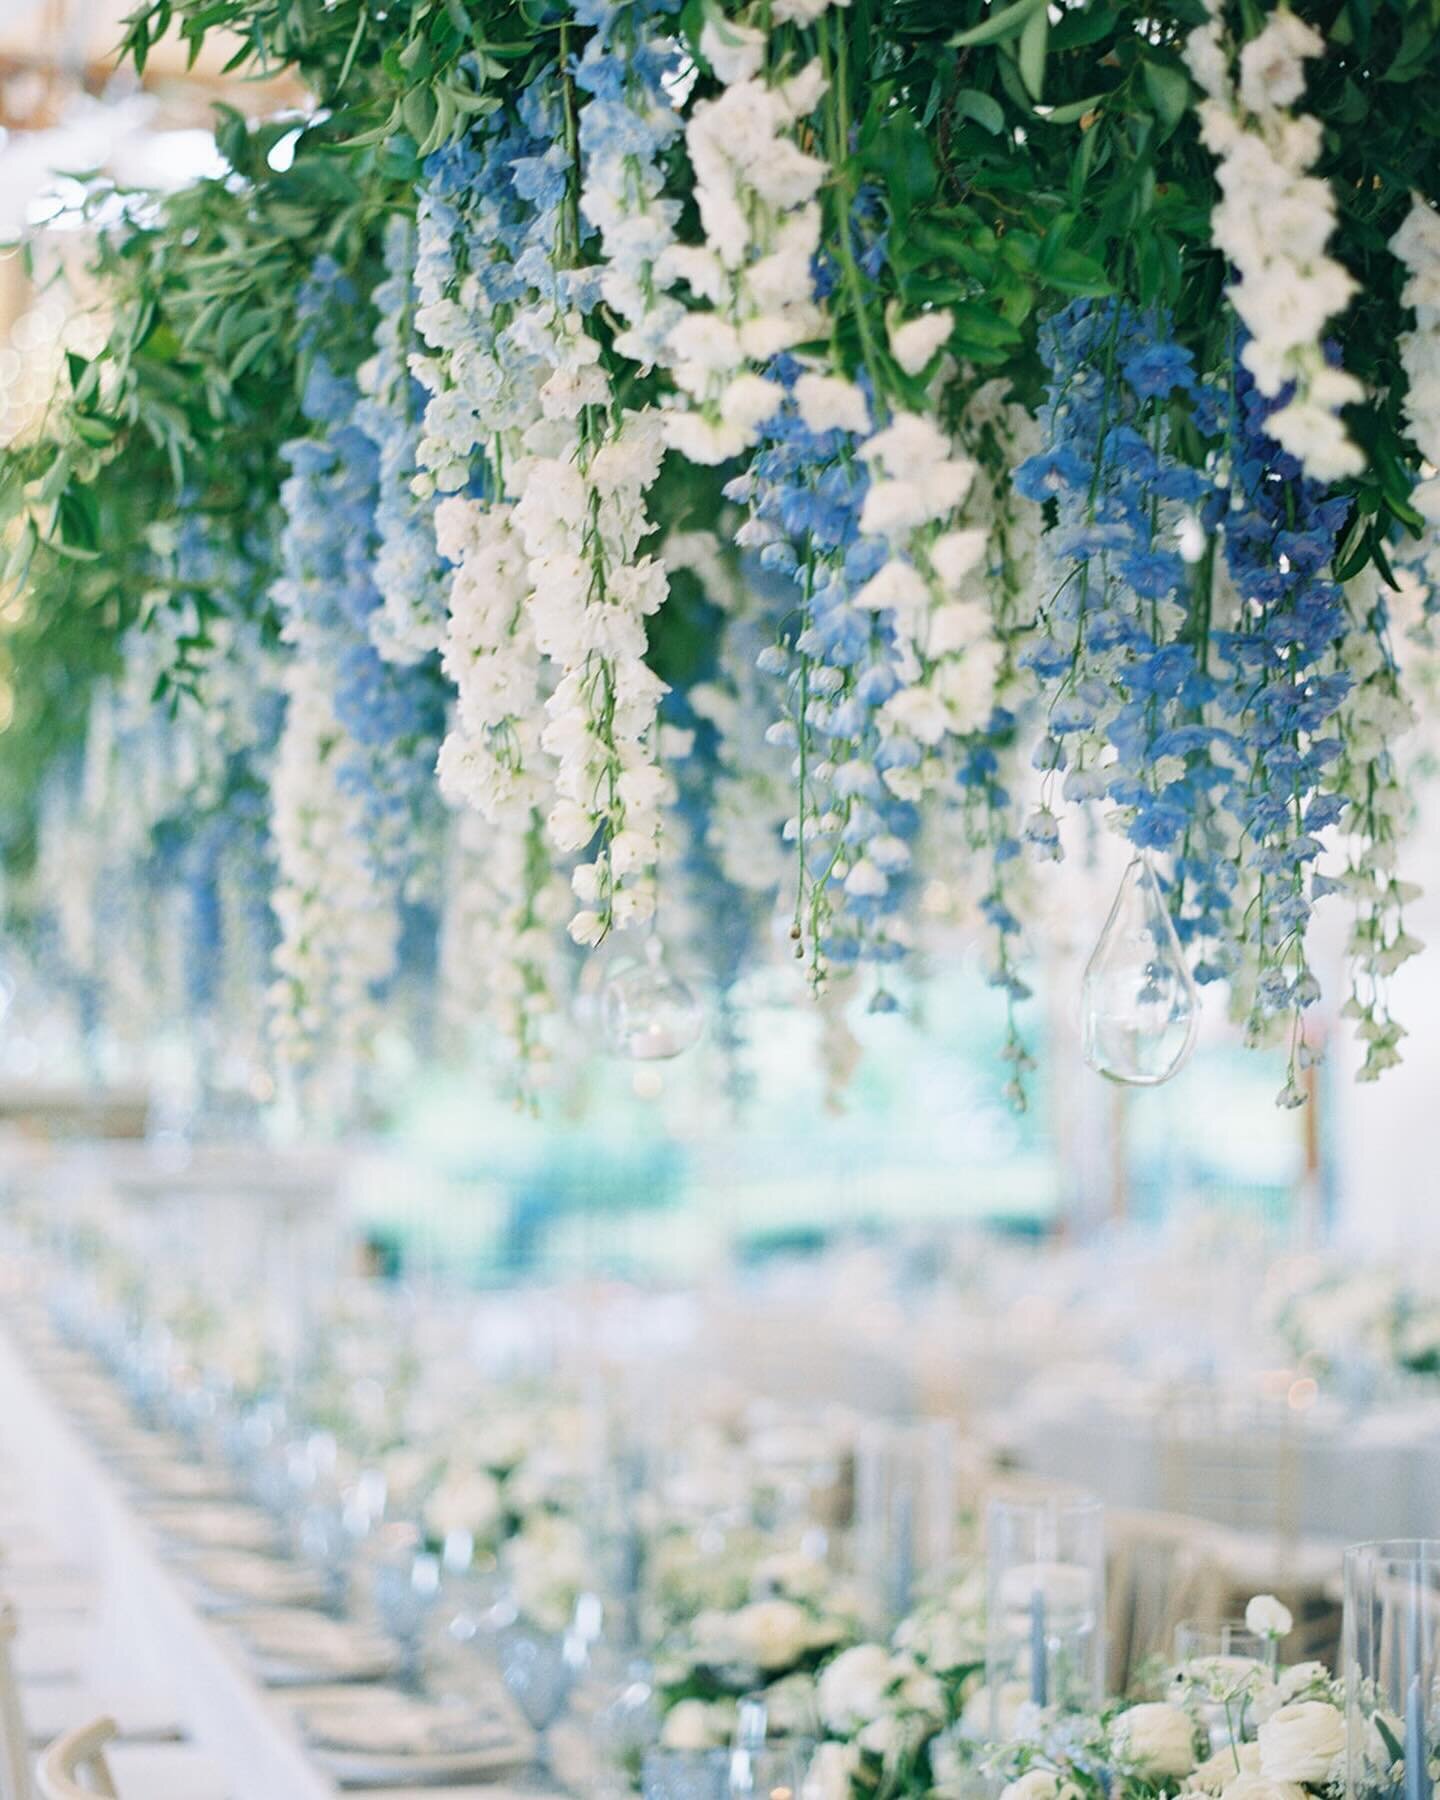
(1045, 1602)
(905, 1509)
(1219, 1669)
(774, 1771)
(1388, 1664)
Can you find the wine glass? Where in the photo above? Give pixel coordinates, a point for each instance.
(540, 1668)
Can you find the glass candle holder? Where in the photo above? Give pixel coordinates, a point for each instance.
(1045, 1604)
(772, 1771)
(905, 1509)
(1219, 1669)
(1388, 1663)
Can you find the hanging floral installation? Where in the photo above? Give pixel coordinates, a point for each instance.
(672, 483)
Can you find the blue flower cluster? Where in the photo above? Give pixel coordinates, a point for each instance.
(328, 601)
(1284, 687)
(409, 573)
(1219, 739)
(489, 222)
(1122, 646)
(842, 663)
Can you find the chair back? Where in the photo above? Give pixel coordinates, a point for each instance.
(74, 1766)
(1163, 1569)
(14, 1744)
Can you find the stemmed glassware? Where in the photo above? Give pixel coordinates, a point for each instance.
(406, 1590)
(540, 1668)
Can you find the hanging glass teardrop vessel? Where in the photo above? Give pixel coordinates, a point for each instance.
(647, 1013)
(1139, 1007)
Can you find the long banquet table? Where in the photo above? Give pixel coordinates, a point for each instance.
(147, 1644)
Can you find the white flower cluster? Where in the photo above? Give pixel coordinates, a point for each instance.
(1273, 222)
(499, 951)
(338, 926)
(491, 758)
(1373, 717)
(581, 515)
(935, 584)
(756, 191)
(492, 764)
(1417, 244)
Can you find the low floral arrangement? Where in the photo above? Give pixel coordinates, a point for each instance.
(1361, 1325)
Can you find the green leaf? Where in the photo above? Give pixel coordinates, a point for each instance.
(90, 430)
(418, 111)
(900, 156)
(1168, 88)
(1034, 40)
(984, 109)
(1071, 111)
(1008, 23)
(1072, 272)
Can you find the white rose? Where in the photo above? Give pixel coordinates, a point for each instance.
(856, 1687)
(790, 1706)
(1219, 1770)
(832, 1769)
(1301, 1742)
(772, 1634)
(695, 1725)
(1261, 1787)
(464, 1500)
(1268, 1617)
(1039, 1784)
(1158, 1738)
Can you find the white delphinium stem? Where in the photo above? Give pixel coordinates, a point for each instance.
(581, 515)
(1374, 715)
(338, 928)
(499, 950)
(1417, 244)
(491, 761)
(1274, 220)
(935, 584)
(756, 191)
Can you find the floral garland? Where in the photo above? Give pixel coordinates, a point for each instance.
(632, 263)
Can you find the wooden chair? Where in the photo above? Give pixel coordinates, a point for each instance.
(14, 1745)
(74, 1766)
(1163, 1568)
